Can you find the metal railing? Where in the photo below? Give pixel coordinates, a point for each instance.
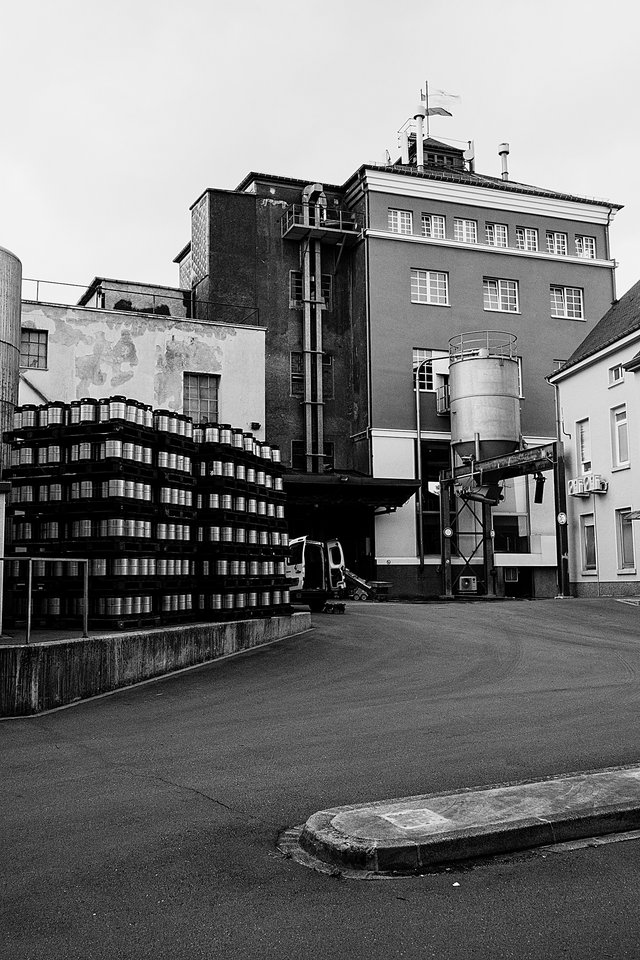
(185, 305)
(331, 218)
(489, 343)
(29, 587)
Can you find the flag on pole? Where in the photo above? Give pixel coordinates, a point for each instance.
(437, 102)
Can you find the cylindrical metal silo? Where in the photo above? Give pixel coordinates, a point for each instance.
(484, 394)
(10, 296)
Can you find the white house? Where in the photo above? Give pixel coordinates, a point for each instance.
(598, 393)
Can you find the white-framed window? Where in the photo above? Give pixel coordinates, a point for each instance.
(465, 230)
(567, 302)
(588, 542)
(200, 397)
(557, 243)
(423, 365)
(586, 247)
(33, 348)
(433, 226)
(620, 436)
(583, 445)
(624, 541)
(526, 238)
(501, 295)
(400, 221)
(616, 374)
(430, 286)
(496, 234)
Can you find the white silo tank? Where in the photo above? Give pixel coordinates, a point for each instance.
(10, 298)
(484, 387)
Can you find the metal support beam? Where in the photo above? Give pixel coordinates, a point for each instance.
(562, 533)
(445, 517)
(487, 546)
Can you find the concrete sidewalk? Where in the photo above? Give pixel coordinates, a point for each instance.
(414, 833)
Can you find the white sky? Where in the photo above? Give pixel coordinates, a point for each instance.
(116, 115)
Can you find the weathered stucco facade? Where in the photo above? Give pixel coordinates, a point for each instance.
(101, 353)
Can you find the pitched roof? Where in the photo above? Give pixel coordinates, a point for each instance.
(481, 180)
(623, 318)
(450, 174)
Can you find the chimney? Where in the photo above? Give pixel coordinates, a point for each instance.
(419, 116)
(503, 153)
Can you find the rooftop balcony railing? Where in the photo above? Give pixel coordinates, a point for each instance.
(331, 224)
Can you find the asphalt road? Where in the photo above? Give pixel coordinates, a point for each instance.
(145, 824)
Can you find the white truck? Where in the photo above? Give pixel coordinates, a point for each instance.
(315, 570)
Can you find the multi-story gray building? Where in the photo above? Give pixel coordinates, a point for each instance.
(360, 287)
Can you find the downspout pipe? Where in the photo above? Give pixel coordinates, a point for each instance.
(614, 295)
(419, 507)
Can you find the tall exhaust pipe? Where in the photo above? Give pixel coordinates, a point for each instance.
(503, 153)
(404, 149)
(419, 116)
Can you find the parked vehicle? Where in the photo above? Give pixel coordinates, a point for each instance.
(315, 569)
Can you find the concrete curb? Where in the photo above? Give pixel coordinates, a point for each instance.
(44, 676)
(477, 822)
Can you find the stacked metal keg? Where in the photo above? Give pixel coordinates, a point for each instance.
(241, 529)
(178, 522)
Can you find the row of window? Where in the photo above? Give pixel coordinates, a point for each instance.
(432, 286)
(495, 234)
(200, 390)
(619, 430)
(624, 542)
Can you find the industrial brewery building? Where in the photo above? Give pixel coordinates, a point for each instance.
(363, 285)
(357, 290)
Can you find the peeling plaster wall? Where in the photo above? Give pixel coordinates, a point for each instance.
(99, 353)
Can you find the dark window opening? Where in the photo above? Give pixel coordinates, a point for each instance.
(296, 289)
(435, 458)
(510, 534)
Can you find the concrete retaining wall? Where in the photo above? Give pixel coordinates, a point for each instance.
(42, 676)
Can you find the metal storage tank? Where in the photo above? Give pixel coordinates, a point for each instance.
(10, 297)
(484, 394)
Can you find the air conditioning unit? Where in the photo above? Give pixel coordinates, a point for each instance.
(576, 488)
(468, 585)
(598, 484)
(591, 483)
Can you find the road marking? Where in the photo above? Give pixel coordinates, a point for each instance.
(415, 819)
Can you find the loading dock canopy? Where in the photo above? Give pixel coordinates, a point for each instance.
(345, 488)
